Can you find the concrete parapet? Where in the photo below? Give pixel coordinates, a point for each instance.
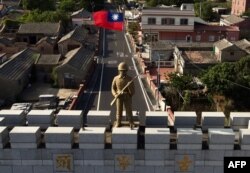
(239, 119)
(221, 139)
(42, 118)
(59, 137)
(2, 121)
(70, 118)
(125, 118)
(189, 139)
(184, 119)
(212, 120)
(25, 137)
(98, 118)
(4, 136)
(244, 139)
(156, 119)
(92, 138)
(157, 138)
(13, 117)
(124, 138)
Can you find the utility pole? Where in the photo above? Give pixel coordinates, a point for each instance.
(158, 80)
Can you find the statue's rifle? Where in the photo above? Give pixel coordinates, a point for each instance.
(123, 89)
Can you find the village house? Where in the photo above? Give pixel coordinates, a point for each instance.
(45, 65)
(81, 18)
(226, 51)
(174, 24)
(242, 22)
(15, 74)
(74, 39)
(33, 32)
(75, 68)
(193, 60)
(6, 45)
(240, 6)
(190, 58)
(243, 45)
(46, 45)
(3, 10)
(77, 38)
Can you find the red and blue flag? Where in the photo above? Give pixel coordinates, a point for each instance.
(109, 20)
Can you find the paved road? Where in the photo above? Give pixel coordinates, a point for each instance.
(113, 50)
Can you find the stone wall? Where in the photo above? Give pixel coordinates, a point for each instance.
(154, 148)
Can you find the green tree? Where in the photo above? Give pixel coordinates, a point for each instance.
(93, 5)
(43, 5)
(180, 82)
(216, 78)
(67, 5)
(153, 3)
(206, 11)
(186, 100)
(45, 16)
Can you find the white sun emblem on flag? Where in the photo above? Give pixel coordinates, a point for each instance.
(115, 17)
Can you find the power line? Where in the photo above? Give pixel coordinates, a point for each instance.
(221, 79)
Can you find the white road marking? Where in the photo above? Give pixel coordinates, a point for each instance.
(100, 88)
(129, 49)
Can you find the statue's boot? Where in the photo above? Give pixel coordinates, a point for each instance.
(131, 124)
(118, 123)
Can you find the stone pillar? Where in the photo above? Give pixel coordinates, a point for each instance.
(92, 138)
(59, 137)
(124, 138)
(221, 139)
(4, 136)
(157, 138)
(25, 137)
(189, 139)
(42, 118)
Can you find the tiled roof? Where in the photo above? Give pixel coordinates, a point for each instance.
(162, 46)
(5, 41)
(47, 39)
(233, 19)
(244, 45)
(14, 68)
(215, 28)
(78, 34)
(78, 58)
(39, 28)
(222, 44)
(48, 59)
(81, 14)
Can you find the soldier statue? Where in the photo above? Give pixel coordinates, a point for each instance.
(123, 90)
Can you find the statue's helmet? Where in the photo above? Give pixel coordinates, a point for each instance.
(122, 66)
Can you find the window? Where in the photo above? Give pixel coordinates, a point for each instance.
(151, 21)
(184, 21)
(198, 37)
(167, 21)
(211, 38)
(188, 38)
(232, 53)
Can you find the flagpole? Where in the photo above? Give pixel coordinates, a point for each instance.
(123, 30)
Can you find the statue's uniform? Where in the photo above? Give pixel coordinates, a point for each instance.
(119, 82)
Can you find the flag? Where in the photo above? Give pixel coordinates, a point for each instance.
(108, 20)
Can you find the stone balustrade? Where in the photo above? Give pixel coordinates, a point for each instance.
(239, 119)
(154, 148)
